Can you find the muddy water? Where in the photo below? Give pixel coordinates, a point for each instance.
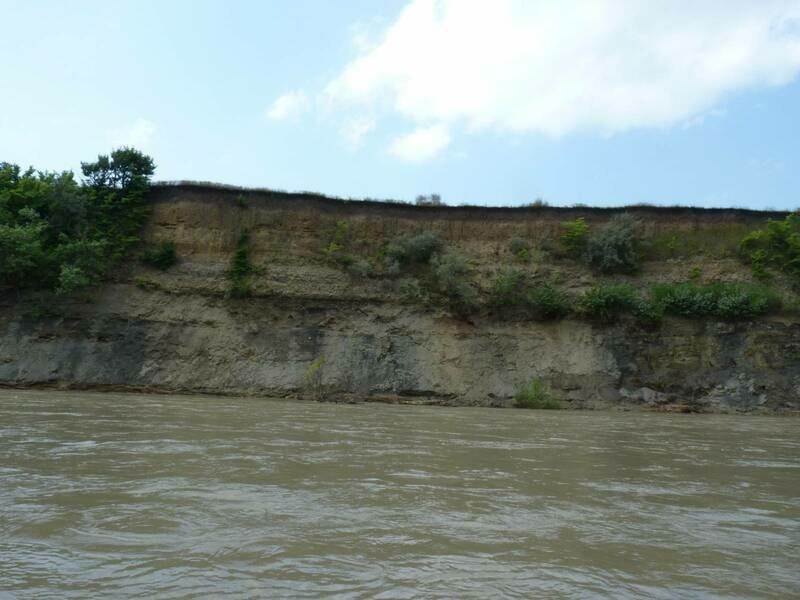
(109, 495)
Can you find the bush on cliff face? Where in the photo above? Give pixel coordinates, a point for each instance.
(451, 275)
(507, 288)
(724, 300)
(776, 246)
(574, 236)
(615, 248)
(241, 269)
(605, 303)
(547, 302)
(535, 395)
(60, 235)
(162, 256)
(417, 249)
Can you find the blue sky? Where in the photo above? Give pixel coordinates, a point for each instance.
(602, 102)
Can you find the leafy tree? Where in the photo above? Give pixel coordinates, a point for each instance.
(60, 235)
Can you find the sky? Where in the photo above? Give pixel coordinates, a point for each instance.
(494, 102)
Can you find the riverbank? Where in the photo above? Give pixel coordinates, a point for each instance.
(294, 319)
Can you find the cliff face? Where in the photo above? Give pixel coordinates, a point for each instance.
(311, 329)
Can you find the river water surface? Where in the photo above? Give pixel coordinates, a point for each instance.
(116, 495)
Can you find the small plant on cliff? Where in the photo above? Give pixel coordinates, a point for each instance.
(725, 300)
(417, 249)
(574, 236)
(605, 303)
(535, 394)
(312, 379)
(775, 246)
(547, 302)
(615, 248)
(520, 249)
(507, 288)
(360, 268)
(336, 248)
(162, 256)
(451, 275)
(241, 269)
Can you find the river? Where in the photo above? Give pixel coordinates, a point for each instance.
(123, 495)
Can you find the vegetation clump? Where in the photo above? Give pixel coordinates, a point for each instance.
(416, 249)
(546, 302)
(575, 236)
(725, 300)
(241, 269)
(606, 302)
(536, 395)
(615, 248)
(507, 289)
(335, 250)
(520, 249)
(162, 256)
(59, 235)
(775, 246)
(451, 276)
(430, 200)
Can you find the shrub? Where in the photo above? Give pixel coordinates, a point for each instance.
(413, 249)
(538, 203)
(361, 268)
(519, 248)
(451, 275)
(162, 257)
(547, 302)
(606, 302)
(574, 236)
(312, 379)
(241, 269)
(507, 288)
(777, 245)
(615, 248)
(432, 200)
(725, 300)
(535, 394)
(410, 291)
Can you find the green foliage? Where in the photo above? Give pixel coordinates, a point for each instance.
(725, 300)
(61, 236)
(417, 249)
(312, 379)
(547, 302)
(336, 251)
(507, 288)
(360, 268)
(536, 395)
(607, 302)
(520, 249)
(162, 256)
(451, 275)
(241, 269)
(574, 236)
(615, 248)
(776, 246)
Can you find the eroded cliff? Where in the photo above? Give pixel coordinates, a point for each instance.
(310, 328)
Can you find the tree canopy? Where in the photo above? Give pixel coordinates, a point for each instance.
(62, 235)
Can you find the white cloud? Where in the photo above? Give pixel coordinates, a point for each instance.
(558, 67)
(288, 105)
(355, 130)
(138, 135)
(421, 144)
